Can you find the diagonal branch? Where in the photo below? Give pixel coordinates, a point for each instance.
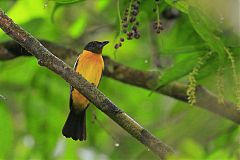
(143, 79)
(47, 59)
(149, 80)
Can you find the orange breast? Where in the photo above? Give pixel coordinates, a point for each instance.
(90, 66)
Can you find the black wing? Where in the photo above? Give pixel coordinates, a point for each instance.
(71, 88)
(101, 76)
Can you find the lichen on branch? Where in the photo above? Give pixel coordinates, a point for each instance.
(47, 59)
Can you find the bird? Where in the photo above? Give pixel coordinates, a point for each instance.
(90, 65)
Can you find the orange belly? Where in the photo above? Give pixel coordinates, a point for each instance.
(90, 66)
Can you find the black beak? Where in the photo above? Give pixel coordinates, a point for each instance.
(104, 43)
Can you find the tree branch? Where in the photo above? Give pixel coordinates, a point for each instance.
(149, 80)
(47, 59)
(143, 79)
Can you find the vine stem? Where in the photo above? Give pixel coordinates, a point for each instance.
(120, 27)
(158, 15)
(119, 17)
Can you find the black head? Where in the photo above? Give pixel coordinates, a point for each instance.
(95, 46)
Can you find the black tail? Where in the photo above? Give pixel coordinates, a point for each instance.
(75, 126)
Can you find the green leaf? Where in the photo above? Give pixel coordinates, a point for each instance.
(181, 39)
(179, 69)
(209, 68)
(189, 49)
(207, 30)
(60, 3)
(68, 1)
(101, 5)
(181, 5)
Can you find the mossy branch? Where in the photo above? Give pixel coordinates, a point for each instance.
(47, 59)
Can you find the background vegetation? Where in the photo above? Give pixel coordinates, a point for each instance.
(198, 46)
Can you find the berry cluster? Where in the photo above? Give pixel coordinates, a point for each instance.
(157, 25)
(129, 22)
(119, 44)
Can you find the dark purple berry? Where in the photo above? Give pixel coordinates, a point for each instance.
(125, 25)
(129, 34)
(137, 36)
(134, 12)
(116, 46)
(132, 19)
(134, 28)
(155, 27)
(135, 7)
(129, 38)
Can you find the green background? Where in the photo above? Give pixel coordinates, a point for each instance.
(35, 101)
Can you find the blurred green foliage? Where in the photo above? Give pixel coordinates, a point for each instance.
(34, 101)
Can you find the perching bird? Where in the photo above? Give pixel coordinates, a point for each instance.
(90, 65)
